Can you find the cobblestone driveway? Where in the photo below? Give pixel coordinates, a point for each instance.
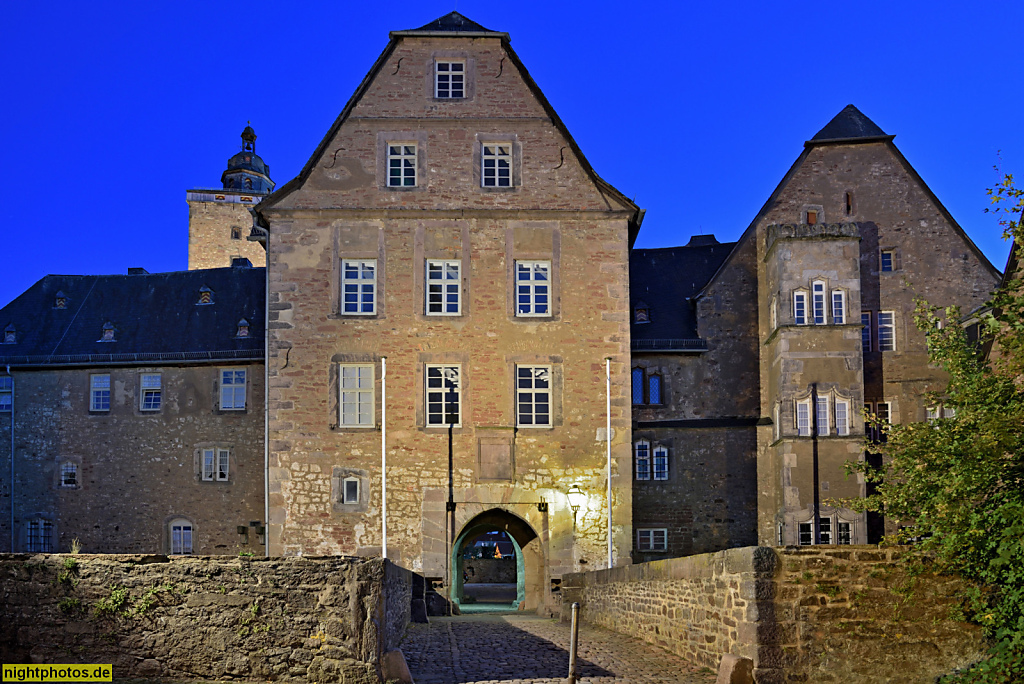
(520, 649)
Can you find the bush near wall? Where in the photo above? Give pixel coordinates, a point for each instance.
(315, 619)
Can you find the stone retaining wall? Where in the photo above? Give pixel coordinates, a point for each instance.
(312, 619)
(801, 614)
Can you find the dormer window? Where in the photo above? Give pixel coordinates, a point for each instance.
(205, 296)
(641, 313)
(10, 335)
(243, 328)
(108, 333)
(60, 301)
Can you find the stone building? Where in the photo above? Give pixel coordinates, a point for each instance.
(219, 221)
(754, 362)
(133, 407)
(449, 232)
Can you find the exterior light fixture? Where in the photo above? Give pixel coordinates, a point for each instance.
(576, 498)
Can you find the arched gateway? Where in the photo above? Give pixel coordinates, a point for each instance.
(529, 556)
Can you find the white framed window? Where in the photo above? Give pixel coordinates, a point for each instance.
(844, 533)
(842, 417)
(818, 301)
(215, 464)
(800, 307)
(823, 416)
(355, 395)
(444, 287)
(533, 396)
(39, 536)
(350, 490)
(933, 413)
(825, 530)
(660, 463)
(444, 395)
(886, 331)
(642, 460)
(773, 313)
(865, 332)
(359, 287)
(99, 392)
(180, 537)
(149, 392)
(69, 475)
(533, 288)
(780, 539)
(496, 165)
(776, 421)
(652, 539)
(232, 389)
(838, 307)
(888, 261)
(449, 80)
(6, 394)
(803, 418)
(806, 534)
(402, 165)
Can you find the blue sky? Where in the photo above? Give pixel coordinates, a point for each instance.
(113, 110)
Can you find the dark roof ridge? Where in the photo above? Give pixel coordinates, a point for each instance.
(453, 22)
(849, 125)
(652, 249)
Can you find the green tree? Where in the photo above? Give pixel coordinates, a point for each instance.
(957, 483)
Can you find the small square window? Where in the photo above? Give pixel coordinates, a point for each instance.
(652, 539)
(444, 288)
(150, 388)
(401, 165)
(350, 494)
(496, 161)
(888, 260)
(69, 475)
(99, 393)
(449, 80)
(533, 280)
(359, 287)
(232, 390)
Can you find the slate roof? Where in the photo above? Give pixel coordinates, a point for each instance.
(665, 279)
(452, 22)
(155, 316)
(849, 124)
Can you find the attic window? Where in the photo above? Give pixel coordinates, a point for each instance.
(449, 80)
(108, 333)
(60, 301)
(812, 217)
(243, 328)
(641, 313)
(205, 296)
(10, 335)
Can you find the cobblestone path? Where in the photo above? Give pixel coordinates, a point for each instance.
(519, 649)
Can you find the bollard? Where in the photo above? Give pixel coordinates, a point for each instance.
(573, 640)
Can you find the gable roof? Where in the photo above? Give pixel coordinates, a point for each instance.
(449, 20)
(851, 120)
(665, 280)
(155, 317)
(849, 125)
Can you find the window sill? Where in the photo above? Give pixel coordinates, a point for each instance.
(498, 188)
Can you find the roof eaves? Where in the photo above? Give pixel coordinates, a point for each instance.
(449, 34)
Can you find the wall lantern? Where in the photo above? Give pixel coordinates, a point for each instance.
(576, 498)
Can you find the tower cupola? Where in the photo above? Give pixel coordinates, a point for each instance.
(246, 170)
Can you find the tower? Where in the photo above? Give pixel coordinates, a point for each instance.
(218, 219)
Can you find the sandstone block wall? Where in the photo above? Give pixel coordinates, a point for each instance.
(212, 230)
(324, 619)
(849, 614)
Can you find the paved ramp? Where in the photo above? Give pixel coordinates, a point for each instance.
(517, 648)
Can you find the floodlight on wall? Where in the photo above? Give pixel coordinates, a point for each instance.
(577, 498)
